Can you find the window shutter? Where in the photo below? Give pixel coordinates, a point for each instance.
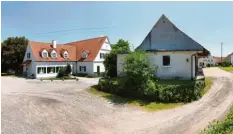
(80, 68)
(84, 68)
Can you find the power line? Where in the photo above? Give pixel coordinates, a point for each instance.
(77, 29)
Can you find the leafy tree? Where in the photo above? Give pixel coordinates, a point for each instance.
(13, 50)
(110, 61)
(140, 74)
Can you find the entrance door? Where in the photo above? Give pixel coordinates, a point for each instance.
(98, 69)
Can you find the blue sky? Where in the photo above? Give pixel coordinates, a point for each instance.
(209, 23)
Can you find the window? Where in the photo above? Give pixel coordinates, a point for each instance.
(28, 55)
(65, 55)
(41, 70)
(57, 69)
(44, 54)
(102, 55)
(166, 60)
(84, 55)
(50, 70)
(82, 68)
(53, 54)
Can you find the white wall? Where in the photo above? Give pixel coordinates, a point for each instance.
(179, 67)
(35, 65)
(89, 67)
(101, 65)
(106, 48)
(232, 59)
(206, 60)
(28, 50)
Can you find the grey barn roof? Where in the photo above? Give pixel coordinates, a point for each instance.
(165, 36)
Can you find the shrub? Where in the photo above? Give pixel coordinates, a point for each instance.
(153, 91)
(140, 74)
(81, 74)
(61, 72)
(64, 71)
(110, 64)
(68, 69)
(226, 64)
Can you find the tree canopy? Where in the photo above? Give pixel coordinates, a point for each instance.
(110, 61)
(13, 50)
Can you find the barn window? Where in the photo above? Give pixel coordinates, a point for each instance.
(166, 60)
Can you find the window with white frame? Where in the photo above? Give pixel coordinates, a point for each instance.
(84, 55)
(102, 55)
(44, 54)
(28, 55)
(41, 70)
(65, 55)
(82, 68)
(53, 54)
(166, 61)
(50, 70)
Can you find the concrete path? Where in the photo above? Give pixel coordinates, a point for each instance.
(31, 106)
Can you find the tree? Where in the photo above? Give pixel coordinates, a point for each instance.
(140, 74)
(110, 61)
(13, 50)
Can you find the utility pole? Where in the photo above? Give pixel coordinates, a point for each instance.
(221, 51)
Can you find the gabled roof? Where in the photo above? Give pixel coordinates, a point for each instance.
(92, 46)
(74, 49)
(38, 47)
(165, 36)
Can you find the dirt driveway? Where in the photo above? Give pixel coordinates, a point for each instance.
(30, 106)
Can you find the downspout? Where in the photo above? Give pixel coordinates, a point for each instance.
(192, 66)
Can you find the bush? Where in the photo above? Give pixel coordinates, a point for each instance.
(221, 127)
(64, 71)
(81, 74)
(226, 64)
(153, 91)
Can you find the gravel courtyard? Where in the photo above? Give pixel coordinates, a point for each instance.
(65, 107)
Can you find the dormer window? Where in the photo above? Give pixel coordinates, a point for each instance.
(84, 55)
(44, 54)
(53, 54)
(65, 54)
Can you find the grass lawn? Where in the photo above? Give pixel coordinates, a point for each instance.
(208, 84)
(149, 106)
(228, 69)
(221, 127)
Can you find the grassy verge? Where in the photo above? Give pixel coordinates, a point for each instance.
(221, 127)
(228, 69)
(12, 74)
(149, 106)
(208, 84)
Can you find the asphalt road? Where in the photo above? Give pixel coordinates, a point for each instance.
(45, 107)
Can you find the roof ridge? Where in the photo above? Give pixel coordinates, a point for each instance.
(85, 40)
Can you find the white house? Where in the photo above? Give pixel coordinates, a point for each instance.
(86, 56)
(229, 58)
(204, 61)
(172, 51)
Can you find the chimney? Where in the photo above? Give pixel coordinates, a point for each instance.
(54, 44)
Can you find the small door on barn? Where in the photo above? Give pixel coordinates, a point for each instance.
(98, 69)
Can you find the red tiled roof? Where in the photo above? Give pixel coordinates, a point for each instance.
(218, 59)
(74, 49)
(38, 47)
(92, 46)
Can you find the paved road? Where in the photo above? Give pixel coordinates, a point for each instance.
(39, 107)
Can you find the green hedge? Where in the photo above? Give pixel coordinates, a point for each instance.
(160, 92)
